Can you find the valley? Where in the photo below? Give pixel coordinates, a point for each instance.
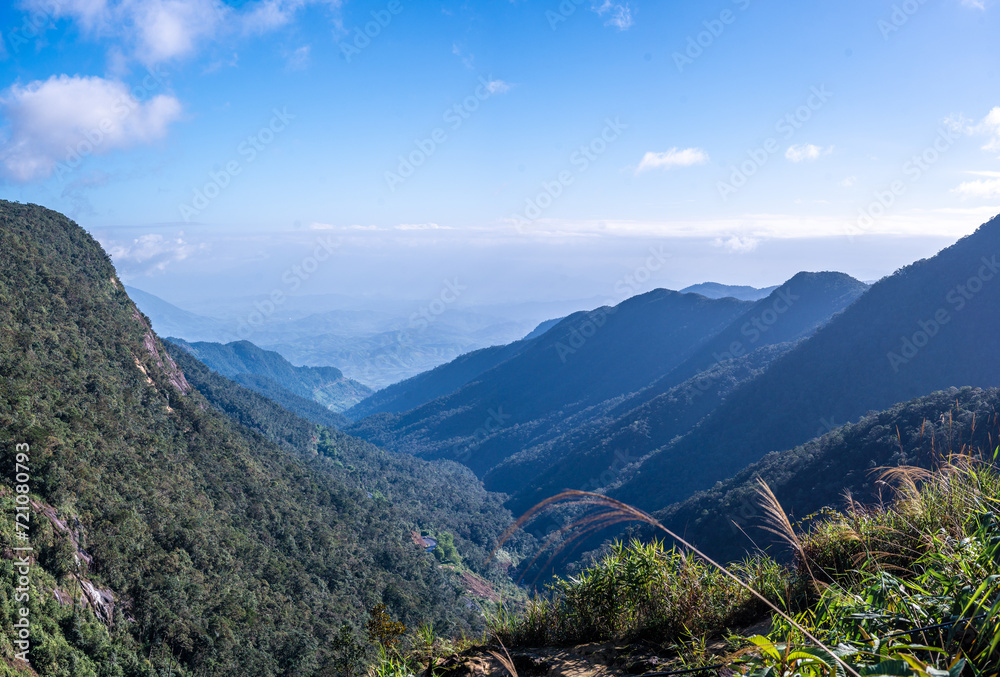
(641, 401)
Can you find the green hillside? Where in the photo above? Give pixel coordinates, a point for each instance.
(190, 544)
(930, 326)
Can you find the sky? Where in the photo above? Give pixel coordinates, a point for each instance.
(524, 149)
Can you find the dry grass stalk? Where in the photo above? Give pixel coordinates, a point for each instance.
(505, 660)
(618, 512)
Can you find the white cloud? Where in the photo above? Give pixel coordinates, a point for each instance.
(299, 59)
(150, 253)
(975, 4)
(497, 87)
(806, 151)
(168, 29)
(737, 244)
(672, 158)
(65, 119)
(768, 226)
(981, 188)
(90, 14)
(991, 125)
(618, 14)
(155, 31)
(422, 226)
(468, 60)
(266, 15)
(849, 182)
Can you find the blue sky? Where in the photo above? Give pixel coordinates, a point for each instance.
(539, 149)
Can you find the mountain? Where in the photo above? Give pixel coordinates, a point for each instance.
(374, 347)
(586, 359)
(269, 373)
(587, 457)
(166, 536)
(791, 311)
(930, 326)
(714, 290)
(725, 521)
(438, 382)
(542, 328)
(169, 320)
(590, 432)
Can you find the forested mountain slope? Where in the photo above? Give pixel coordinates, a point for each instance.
(676, 402)
(216, 551)
(432, 495)
(725, 520)
(584, 360)
(930, 326)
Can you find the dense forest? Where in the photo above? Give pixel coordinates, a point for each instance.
(214, 549)
(843, 465)
(930, 326)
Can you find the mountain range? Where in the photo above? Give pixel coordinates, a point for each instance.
(671, 393)
(564, 404)
(195, 509)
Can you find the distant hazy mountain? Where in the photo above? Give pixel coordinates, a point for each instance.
(714, 290)
(442, 380)
(928, 327)
(567, 407)
(676, 402)
(377, 342)
(169, 320)
(585, 359)
(270, 374)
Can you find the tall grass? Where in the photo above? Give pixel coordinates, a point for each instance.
(908, 587)
(644, 592)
